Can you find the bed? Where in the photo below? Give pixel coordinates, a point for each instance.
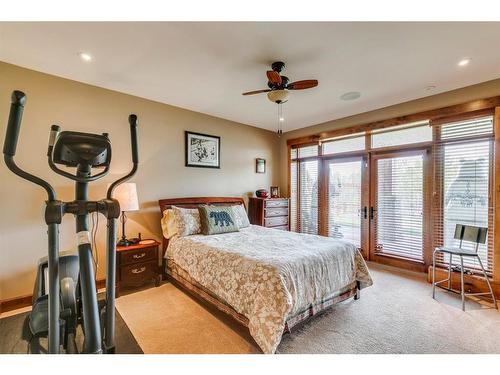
(267, 279)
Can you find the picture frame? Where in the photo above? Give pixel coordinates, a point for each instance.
(202, 150)
(260, 165)
(275, 191)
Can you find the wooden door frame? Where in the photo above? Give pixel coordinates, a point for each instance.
(365, 199)
(393, 260)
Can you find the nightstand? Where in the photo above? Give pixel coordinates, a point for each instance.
(137, 265)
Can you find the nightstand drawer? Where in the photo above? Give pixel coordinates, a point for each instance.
(135, 274)
(139, 255)
(276, 203)
(278, 211)
(276, 221)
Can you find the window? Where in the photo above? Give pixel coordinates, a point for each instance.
(293, 196)
(308, 198)
(304, 169)
(401, 135)
(344, 199)
(463, 174)
(307, 151)
(344, 144)
(399, 206)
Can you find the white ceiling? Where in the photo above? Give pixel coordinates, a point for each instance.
(206, 66)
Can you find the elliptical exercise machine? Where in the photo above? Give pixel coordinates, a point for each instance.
(70, 298)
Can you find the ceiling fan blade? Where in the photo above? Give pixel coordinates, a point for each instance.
(274, 77)
(301, 85)
(255, 92)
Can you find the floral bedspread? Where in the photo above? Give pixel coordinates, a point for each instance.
(268, 274)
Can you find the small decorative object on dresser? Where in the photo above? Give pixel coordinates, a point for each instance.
(275, 191)
(260, 165)
(137, 265)
(269, 212)
(261, 193)
(202, 150)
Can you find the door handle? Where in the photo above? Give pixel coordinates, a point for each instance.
(372, 212)
(365, 212)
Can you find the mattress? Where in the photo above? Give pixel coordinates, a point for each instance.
(269, 275)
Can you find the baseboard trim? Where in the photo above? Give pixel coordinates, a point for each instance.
(25, 301)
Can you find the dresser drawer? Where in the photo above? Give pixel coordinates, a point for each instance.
(139, 255)
(136, 274)
(278, 211)
(276, 221)
(282, 227)
(276, 203)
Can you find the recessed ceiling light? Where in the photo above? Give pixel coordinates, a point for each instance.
(85, 56)
(465, 61)
(282, 119)
(353, 95)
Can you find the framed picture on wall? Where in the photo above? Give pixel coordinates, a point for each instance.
(275, 191)
(202, 150)
(260, 165)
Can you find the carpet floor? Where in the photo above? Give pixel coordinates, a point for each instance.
(395, 315)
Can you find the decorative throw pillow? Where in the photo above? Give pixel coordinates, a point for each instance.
(217, 219)
(187, 221)
(168, 225)
(241, 216)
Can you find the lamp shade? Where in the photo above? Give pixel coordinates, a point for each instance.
(126, 194)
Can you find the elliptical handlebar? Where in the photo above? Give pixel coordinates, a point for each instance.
(132, 119)
(18, 100)
(54, 132)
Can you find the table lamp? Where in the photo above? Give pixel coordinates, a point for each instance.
(126, 194)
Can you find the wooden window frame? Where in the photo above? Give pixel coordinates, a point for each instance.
(463, 111)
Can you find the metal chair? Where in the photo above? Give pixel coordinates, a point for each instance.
(466, 233)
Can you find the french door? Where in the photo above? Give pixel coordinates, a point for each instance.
(346, 194)
(399, 209)
(381, 203)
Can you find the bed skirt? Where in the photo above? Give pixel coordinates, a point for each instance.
(184, 280)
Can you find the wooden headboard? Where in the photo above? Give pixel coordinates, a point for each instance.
(193, 203)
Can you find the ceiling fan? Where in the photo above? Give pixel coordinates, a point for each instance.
(280, 85)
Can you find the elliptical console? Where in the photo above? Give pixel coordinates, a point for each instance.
(71, 297)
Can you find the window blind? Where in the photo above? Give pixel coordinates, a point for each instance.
(401, 135)
(307, 151)
(304, 199)
(293, 196)
(344, 200)
(399, 206)
(463, 185)
(353, 142)
(308, 196)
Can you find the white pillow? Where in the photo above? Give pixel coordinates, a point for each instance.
(241, 216)
(168, 224)
(187, 221)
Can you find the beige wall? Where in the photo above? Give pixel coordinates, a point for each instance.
(76, 106)
(479, 91)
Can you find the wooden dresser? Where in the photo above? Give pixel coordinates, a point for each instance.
(269, 212)
(137, 265)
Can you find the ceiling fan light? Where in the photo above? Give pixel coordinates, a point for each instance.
(278, 96)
